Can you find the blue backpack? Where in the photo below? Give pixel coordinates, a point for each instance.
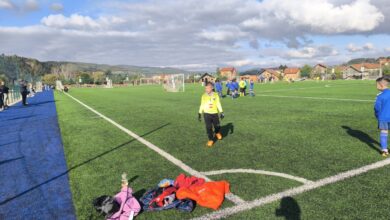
(148, 204)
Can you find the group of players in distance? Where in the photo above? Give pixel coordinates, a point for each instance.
(212, 111)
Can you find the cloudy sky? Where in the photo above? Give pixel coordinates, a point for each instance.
(196, 34)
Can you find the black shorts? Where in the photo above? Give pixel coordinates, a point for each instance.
(242, 89)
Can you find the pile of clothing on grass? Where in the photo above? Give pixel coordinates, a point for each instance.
(181, 194)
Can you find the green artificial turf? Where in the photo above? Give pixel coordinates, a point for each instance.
(309, 138)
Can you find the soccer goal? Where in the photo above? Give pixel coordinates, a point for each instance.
(174, 83)
(59, 86)
(148, 81)
(108, 83)
(38, 86)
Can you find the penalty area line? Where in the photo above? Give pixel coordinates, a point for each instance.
(294, 191)
(235, 199)
(261, 172)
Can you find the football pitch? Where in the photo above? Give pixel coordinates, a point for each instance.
(304, 143)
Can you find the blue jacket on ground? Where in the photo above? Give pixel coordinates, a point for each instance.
(382, 106)
(218, 87)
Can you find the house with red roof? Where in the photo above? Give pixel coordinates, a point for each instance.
(362, 71)
(319, 70)
(268, 74)
(228, 72)
(384, 61)
(292, 73)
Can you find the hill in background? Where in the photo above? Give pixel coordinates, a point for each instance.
(16, 67)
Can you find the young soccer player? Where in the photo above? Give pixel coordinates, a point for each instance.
(218, 87)
(251, 87)
(210, 106)
(242, 85)
(234, 88)
(382, 111)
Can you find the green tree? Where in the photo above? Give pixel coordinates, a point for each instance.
(306, 70)
(86, 78)
(50, 79)
(108, 73)
(386, 70)
(218, 72)
(282, 67)
(338, 73)
(98, 78)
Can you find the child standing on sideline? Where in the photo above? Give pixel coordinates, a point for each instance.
(382, 111)
(251, 87)
(218, 87)
(210, 106)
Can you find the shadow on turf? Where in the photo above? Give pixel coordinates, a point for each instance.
(79, 165)
(363, 137)
(289, 209)
(10, 160)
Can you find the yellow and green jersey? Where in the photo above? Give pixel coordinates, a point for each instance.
(210, 104)
(242, 84)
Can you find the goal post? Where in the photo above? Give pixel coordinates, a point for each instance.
(174, 83)
(59, 86)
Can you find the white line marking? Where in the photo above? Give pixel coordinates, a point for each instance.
(318, 98)
(262, 172)
(315, 87)
(294, 191)
(172, 159)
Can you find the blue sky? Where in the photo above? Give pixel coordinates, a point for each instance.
(196, 34)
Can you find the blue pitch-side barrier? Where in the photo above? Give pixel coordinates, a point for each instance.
(34, 181)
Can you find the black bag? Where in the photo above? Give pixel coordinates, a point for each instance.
(106, 205)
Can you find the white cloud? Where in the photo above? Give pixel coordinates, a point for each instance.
(368, 46)
(74, 21)
(57, 7)
(325, 17)
(6, 4)
(311, 52)
(355, 48)
(222, 34)
(196, 33)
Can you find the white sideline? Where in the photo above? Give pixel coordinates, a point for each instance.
(294, 191)
(319, 98)
(235, 199)
(263, 172)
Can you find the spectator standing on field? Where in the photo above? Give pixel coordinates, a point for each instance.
(24, 92)
(5, 91)
(1, 98)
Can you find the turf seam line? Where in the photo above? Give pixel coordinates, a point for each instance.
(235, 199)
(314, 87)
(262, 172)
(319, 98)
(294, 191)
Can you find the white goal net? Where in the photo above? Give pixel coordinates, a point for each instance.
(59, 86)
(174, 83)
(38, 86)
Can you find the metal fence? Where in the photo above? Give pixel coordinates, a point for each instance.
(14, 95)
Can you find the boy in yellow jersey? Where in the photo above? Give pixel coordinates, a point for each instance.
(242, 85)
(210, 106)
